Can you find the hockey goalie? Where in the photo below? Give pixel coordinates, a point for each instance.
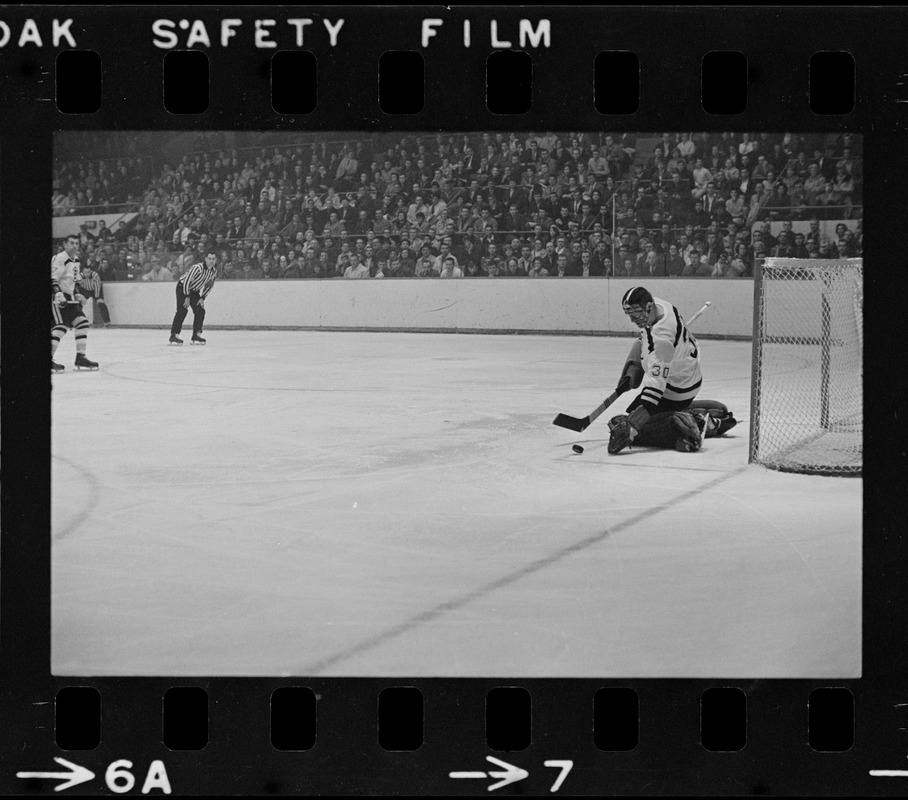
(665, 361)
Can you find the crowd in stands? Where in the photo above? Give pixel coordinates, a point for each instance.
(476, 205)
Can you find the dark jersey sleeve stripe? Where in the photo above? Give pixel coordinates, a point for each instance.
(679, 326)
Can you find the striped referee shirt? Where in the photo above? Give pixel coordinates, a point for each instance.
(91, 281)
(200, 278)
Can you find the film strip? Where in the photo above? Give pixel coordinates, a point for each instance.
(520, 638)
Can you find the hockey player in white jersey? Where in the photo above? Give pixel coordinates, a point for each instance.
(665, 360)
(66, 304)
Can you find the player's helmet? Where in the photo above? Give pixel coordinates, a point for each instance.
(636, 303)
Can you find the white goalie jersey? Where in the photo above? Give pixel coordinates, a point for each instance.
(670, 358)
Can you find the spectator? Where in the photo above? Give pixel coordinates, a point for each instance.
(450, 269)
(687, 148)
(268, 269)
(444, 254)
(538, 269)
(851, 242)
(354, 269)
(741, 264)
(697, 268)
(321, 268)
(721, 267)
(843, 185)
(601, 262)
(757, 201)
(287, 268)
(778, 205)
(654, 263)
(800, 246)
(829, 201)
(674, 262)
(513, 269)
(254, 270)
(158, 272)
(474, 270)
(712, 249)
(425, 263)
(292, 192)
(702, 176)
(734, 206)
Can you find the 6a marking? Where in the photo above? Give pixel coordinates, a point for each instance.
(117, 777)
(120, 780)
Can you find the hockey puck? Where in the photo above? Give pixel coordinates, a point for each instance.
(577, 449)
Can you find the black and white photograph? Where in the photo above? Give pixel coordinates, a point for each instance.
(453, 400)
(304, 387)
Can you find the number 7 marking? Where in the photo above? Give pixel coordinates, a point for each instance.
(565, 767)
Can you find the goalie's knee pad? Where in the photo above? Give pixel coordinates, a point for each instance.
(713, 407)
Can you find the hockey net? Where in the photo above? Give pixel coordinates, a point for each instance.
(806, 395)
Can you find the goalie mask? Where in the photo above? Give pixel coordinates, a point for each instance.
(637, 303)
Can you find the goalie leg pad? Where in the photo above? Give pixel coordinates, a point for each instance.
(719, 420)
(714, 407)
(675, 429)
(625, 429)
(691, 429)
(620, 434)
(723, 425)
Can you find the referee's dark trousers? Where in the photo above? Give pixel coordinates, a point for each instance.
(198, 312)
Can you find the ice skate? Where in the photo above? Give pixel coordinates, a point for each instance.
(196, 339)
(726, 424)
(174, 339)
(84, 363)
(55, 367)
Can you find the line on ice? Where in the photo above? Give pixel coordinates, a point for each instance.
(93, 497)
(430, 615)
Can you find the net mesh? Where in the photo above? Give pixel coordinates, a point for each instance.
(807, 413)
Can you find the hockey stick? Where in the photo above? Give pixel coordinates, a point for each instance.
(580, 425)
(706, 305)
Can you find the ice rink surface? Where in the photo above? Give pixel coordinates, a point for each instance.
(394, 504)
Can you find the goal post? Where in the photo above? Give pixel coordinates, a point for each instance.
(806, 389)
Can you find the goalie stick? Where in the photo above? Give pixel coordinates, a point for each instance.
(581, 424)
(706, 305)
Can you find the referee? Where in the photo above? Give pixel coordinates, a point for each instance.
(93, 288)
(192, 289)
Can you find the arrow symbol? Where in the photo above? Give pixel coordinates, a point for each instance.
(511, 774)
(74, 776)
